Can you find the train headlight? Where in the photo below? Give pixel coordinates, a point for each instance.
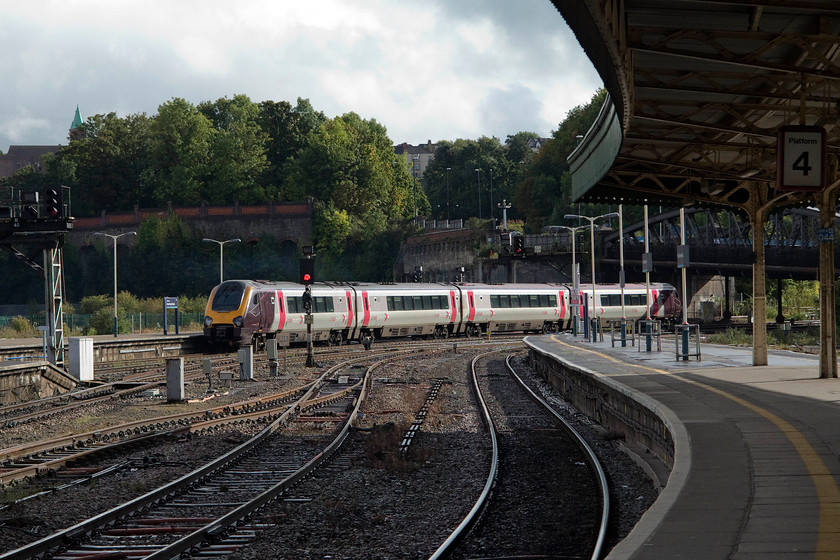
(238, 322)
(208, 320)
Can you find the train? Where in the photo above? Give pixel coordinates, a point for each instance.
(249, 312)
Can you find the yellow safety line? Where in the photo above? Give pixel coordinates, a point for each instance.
(828, 493)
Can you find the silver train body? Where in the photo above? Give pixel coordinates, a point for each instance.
(241, 312)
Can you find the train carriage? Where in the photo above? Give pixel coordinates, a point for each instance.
(664, 303)
(515, 307)
(393, 310)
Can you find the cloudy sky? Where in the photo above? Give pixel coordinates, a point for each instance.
(432, 70)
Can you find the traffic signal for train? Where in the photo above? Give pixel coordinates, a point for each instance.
(307, 271)
(519, 246)
(53, 202)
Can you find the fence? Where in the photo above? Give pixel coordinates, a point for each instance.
(139, 322)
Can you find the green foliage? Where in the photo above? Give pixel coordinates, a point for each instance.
(91, 304)
(732, 337)
(22, 326)
(179, 154)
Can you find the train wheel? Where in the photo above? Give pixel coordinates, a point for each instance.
(334, 339)
(441, 332)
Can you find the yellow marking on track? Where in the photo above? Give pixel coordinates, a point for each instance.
(828, 492)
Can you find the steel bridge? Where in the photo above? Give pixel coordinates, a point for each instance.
(720, 242)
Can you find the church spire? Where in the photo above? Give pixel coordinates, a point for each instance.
(76, 126)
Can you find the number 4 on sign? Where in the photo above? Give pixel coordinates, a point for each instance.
(800, 158)
(801, 164)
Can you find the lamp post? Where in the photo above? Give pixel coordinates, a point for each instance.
(448, 169)
(115, 237)
(575, 283)
(505, 206)
(492, 214)
(222, 254)
(591, 221)
(414, 165)
(478, 184)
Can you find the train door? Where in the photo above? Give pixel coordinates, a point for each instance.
(281, 311)
(365, 311)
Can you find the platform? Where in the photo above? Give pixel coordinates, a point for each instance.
(755, 470)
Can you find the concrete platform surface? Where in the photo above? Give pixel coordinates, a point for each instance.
(756, 472)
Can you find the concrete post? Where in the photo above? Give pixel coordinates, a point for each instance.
(174, 379)
(246, 363)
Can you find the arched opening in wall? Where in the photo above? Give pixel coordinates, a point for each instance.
(288, 255)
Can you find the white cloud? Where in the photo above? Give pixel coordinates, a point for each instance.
(436, 70)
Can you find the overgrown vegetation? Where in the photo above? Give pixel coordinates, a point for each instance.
(236, 150)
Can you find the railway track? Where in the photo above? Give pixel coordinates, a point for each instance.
(213, 508)
(533, 447)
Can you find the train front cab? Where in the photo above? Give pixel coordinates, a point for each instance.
(224, 315)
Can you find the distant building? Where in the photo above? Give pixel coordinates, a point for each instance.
(536, 143)
(424, 153)
(19, 157)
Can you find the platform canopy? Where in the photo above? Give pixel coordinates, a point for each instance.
(698, 92)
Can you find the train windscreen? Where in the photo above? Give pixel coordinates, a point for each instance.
(228, 297)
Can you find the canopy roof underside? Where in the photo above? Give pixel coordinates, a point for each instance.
(699, 90)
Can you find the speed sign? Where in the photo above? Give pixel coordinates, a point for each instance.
(800, 158)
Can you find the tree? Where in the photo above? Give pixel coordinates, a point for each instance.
(348, 166)
(466, 186)
(104, 168)
(179, 153)
(543, 195)
(288, 129)
(237, 158)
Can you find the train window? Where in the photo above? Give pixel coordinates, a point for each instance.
(418, 302)
(427, 302)
(633, 299)
(544, 301)
(323, 305)
(504, 301)
(408, 303)
(533, 301)
(494, 301)
(228, 296)
(294, 304)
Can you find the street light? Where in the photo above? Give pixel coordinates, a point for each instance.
(448, 169)
(575, 284)
(492, 214)
(414, 167)
(478, 183)
(591, 221)
(115, 237)
(505, 206)
(222, 254)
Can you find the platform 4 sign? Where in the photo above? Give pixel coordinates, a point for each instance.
(800, 162)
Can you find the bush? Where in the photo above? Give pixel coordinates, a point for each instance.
(22, 326)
